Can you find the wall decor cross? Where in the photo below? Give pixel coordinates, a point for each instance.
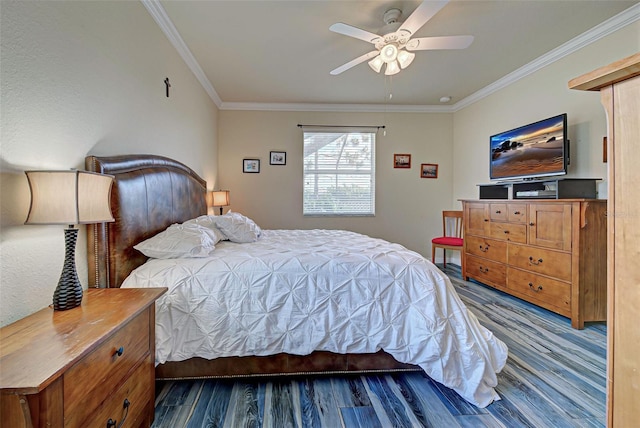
(168, 85)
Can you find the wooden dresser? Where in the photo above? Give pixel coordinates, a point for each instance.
(91, 366)
(551, 253)
(619, 86)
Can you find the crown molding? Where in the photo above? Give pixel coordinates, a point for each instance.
(360, 108)
(601, 30)
(158, 13)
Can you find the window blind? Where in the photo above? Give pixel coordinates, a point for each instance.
(339, 172)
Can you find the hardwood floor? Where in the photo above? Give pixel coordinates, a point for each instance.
(554, 377)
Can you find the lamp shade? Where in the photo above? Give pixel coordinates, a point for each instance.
(69, 197)
(220, 198)
(376, 64)
(392, 68)
(405, 58)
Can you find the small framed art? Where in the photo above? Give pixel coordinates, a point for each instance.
(277, 158)
(429, 170)
(250, 165)
(401, 160)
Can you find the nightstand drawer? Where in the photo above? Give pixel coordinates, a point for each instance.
(543, 289)
(487, 248)
(486, 271)
(88, 383)
(136, 393)
(538, 260)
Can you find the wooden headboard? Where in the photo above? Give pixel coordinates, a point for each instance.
(149, 194)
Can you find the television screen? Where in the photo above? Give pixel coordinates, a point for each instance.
(535, 150)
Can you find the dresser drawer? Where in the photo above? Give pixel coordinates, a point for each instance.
(488, 248)
(498, 212)
(486, 271)
(517, 213)
(509, 231)
(538, 260)
(539, 288)
(90, 381)
(136, 393)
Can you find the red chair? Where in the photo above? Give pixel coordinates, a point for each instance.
(452, 236)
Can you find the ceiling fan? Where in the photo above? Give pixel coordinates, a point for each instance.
(394, 48)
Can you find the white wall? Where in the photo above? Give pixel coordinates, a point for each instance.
(80, 78)
(535, 97)
(408, 208)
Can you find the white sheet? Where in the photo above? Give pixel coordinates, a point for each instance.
(297, 291)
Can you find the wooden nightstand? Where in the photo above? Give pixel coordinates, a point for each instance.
(82, 367)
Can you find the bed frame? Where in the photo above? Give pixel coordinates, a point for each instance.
(149, 194)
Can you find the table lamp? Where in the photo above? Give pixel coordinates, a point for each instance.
(69, 197)
(220, 198)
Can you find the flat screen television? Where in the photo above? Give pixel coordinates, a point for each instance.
(540, 149)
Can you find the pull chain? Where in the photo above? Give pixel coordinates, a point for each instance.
(387, 89)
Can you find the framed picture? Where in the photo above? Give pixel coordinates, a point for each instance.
(401, 160)
(429, 170)
(250, 165)
(278, 158)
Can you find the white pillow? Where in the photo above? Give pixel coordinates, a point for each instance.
(179, 241)
(209, 222)
(237, 227)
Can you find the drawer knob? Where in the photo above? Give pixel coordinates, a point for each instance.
(534, 262)
(516, 213)
(498, 212)
(506, 231)
(532, 224)
(125, 406)
(536, 289)
(484, 248)
(483, 270)
(119, 351)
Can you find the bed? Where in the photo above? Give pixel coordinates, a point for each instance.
(389, 308)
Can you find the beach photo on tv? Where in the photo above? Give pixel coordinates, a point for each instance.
(536, 149)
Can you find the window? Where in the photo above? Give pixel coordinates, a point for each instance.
(339, 172)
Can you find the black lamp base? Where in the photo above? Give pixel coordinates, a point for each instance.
(68, 293)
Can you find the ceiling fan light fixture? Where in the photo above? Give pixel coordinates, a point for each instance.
(392, 68)
(389, 53)
(395, 47)
(405, 58)
(376, 64)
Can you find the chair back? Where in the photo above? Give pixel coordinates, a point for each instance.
(452, 224)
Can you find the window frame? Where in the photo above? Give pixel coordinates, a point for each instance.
(348, 175)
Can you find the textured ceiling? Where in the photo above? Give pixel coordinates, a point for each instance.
(282, 51)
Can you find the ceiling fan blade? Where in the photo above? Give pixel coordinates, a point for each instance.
(351, 31)
(435, 43)
(421, 15)
(354, 62)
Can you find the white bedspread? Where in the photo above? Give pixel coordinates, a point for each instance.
(297, 291)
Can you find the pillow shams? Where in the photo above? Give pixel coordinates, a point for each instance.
(179, 241)
(209, 222)
(238, 228)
